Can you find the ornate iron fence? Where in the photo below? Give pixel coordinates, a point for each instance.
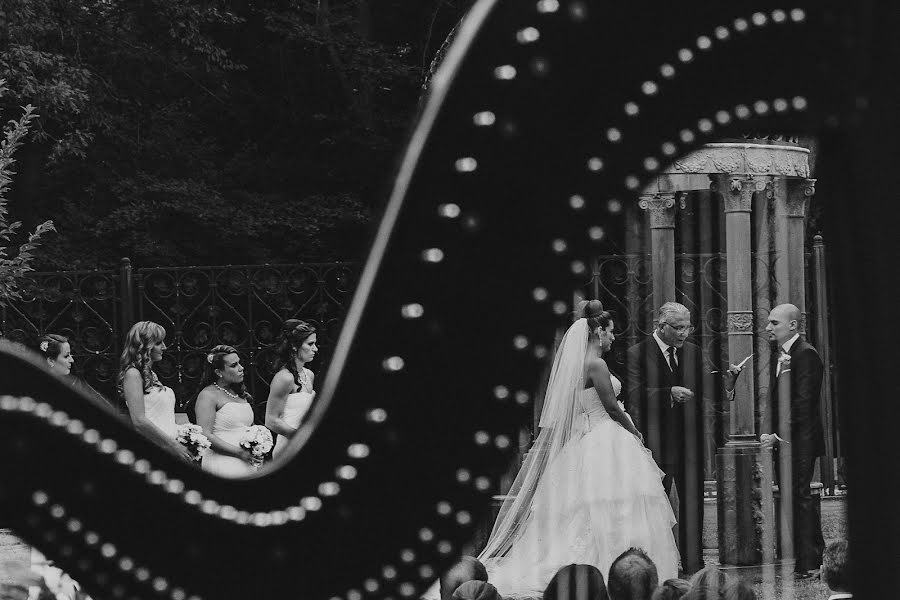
(243, 306)
(81, 305)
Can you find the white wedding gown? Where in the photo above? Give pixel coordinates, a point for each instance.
(295, 408)
(230, 425)
(159, 408)
(601, 496)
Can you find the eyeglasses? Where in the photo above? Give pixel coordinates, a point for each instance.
(688, 329)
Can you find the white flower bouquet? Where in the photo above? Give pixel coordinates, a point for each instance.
(258, 440)
(191, 436)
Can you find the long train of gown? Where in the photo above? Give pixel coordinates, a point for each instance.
(232, 421)
(602, 495)
(295, 408)
(159, 408)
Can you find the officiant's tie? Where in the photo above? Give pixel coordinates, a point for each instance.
(673, 364)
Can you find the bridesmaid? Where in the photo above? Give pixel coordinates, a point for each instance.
(224, 412)
(151, 405)
(291, 392)
(58, 353)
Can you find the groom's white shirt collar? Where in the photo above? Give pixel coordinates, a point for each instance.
(840, 596)
(786, 347)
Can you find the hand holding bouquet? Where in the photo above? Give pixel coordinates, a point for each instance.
(258, 441)
(191, 436)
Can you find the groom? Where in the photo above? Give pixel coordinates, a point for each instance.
(800, 364)
(663, 377)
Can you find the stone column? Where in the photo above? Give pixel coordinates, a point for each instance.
(791, 203)
(738, 462)
(660, 209)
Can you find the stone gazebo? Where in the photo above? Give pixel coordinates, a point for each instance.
(764, 190)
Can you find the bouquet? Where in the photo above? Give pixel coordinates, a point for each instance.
(43, 581)
(191, 436)
(258, 440)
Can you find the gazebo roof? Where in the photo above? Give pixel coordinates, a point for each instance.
(739, 157)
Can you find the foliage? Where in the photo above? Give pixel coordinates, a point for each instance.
(180, 131)
(14, 268)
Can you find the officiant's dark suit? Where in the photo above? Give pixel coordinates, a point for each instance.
(670, 422)
(804, 371)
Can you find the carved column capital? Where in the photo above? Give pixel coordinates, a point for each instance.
(799, 193)
(740, 322)
(737, 192)
(661, 208)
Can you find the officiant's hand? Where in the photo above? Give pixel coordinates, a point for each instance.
(681, 394)
(730, 376)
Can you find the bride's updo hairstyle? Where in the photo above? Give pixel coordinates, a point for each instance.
(592, 310)
(293, 334)
(215, 359)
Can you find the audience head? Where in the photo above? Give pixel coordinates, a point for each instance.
(56, 351)
(222, 366)
(576, 582)
(632, 576)
(467, 568)
(738, 589)
(476, 590)
(708, 583)
(671, 589)
(836, 567)
(144, 345)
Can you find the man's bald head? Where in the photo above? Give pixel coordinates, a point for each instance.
(784, 322)
(790, 311)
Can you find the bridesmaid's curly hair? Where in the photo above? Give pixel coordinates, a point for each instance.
(293, 334)
(215, 359)
(140, 338)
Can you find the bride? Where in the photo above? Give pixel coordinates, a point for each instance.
(588, 489)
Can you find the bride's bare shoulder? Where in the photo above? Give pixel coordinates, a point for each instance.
(596, 362)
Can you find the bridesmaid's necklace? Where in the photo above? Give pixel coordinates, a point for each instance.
(302, 377)
(227, 392)
(304, 380)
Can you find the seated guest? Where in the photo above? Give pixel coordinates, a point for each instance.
(467, 568)
(576, 582)
(476, 590)
(671, 589)
(836, 570)
(708, 583)
(738, 589)
(632, 576)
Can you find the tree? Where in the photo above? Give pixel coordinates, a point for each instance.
(186, 131)
(14, 268)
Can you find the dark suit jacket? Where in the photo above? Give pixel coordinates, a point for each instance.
(806, 373)
(649, 383)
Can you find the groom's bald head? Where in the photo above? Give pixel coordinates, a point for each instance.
(784, 322)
